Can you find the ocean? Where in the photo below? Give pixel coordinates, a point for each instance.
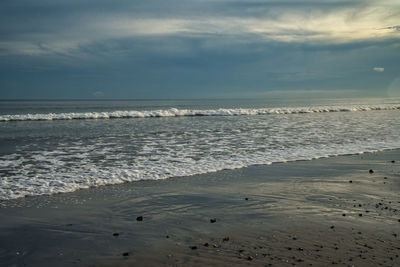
(49, 147)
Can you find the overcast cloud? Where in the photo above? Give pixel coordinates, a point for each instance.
(208, 48)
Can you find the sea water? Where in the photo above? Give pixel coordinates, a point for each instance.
(49, 147)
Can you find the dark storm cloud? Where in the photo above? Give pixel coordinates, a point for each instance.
(194, 48)
(397, 28)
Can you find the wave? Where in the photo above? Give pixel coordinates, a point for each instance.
(84, 179)
(173, 112)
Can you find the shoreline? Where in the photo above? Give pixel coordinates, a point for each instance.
(259, 209)
(382, 150)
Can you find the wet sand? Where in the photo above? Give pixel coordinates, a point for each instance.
(332, 211)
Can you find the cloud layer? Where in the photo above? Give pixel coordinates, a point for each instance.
(202, 48)
(44, 27)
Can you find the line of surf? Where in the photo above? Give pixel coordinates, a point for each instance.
(118, 176)
(173, 112)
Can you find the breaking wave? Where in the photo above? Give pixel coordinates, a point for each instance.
(173, 112)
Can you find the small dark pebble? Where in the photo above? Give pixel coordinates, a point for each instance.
(350, 181)
(332, 227)
(246, 198)
(294, 238)
(241, 250)
(213, 220)
(193, 247)
(360, 215)
(371, 171)
(206, 244)
(125, 254)
(249, 258)
(385, 178)
(393, 161)
(115, 234)
(289, 248)
(139, 219)
(226, 239)
(167, 236)
(344, 214)
(70, 224)
(300, 249)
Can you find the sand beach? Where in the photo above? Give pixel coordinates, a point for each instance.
(341, 210)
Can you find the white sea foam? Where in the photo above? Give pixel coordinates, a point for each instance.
(173, 112)
(159, 149)
(55, 180)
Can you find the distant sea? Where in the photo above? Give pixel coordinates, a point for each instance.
(49, 147)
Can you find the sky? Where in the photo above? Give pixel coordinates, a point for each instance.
(80, 49)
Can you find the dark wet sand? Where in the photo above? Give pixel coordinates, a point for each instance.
(304, 213)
